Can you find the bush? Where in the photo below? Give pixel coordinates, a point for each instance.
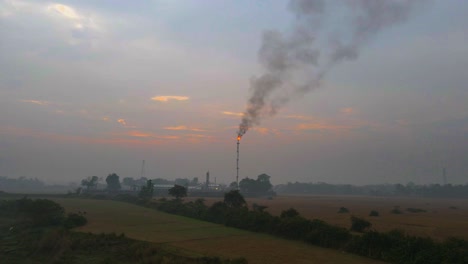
(396, 210)
(291, 212)
(343, 210)
(41, 212)
(374, 213)
(75, 220)
(359, 224)
(233, 199)
(415, 210)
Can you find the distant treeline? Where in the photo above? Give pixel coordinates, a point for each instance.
(21, 183)
(410, 189)
(394, 246)
(30, 185)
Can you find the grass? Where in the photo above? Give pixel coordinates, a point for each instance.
(199, 237)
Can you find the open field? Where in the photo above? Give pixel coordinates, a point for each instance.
(443, 217)
(198, 236)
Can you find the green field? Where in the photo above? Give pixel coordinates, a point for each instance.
(198, 236)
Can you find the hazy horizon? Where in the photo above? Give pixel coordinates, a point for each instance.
(95, 87)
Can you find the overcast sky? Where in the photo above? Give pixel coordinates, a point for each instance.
(95, 87)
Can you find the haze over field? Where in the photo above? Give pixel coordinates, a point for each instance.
(95, 87)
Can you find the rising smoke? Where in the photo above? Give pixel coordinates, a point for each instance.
(294, 62)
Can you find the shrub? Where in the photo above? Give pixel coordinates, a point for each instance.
(75, 220)
(343, 210)
(374, 213)
(258, 208)
(41, 212)
(291, 212)
(178, 191)
(415, 210)
(396, 210)
(234, 199)
(359, 224)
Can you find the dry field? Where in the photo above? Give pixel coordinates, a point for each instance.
(443, 217)
(200, 237)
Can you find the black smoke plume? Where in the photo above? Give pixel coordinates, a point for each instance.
(294, 62)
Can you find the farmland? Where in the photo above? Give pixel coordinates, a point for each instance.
(440, 218)
(197, 236)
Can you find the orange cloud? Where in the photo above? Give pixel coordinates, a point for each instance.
(347, 110)
(299, 117)
(139, 138)
(166, 98)
(122, 121)
(65, 11)
(262, 130)
(35, 102)
(232, 113)
(169, 137)
(135, 133)
(184, 128)
(141, 134)
(198, 136)
(176, 128)
(322, 126)
(267, 131)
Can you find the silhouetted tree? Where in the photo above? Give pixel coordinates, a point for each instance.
(129, 181)
(233, 185)
(248, 185)
(359, 224)
(374, 213)
(259, 208)
(178, 191)
(263, 183)
(90, 182)
(41, 212)
(142, 181)
(113, 182)
(260, 185)
(146, 192)
(234, 199)
(291, 212)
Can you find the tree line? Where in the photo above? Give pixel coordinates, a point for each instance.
(20, 183)
(114, 183)
(250, 187)
(410, 189)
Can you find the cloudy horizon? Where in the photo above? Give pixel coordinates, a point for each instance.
(92, 88)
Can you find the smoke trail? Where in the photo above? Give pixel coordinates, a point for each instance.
(295, 64)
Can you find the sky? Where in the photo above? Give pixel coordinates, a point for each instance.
(96, 87)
